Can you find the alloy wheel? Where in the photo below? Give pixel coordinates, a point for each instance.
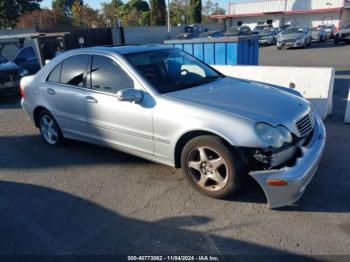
(208, 168)
(49, 129)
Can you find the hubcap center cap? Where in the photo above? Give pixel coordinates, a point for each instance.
(206, 167)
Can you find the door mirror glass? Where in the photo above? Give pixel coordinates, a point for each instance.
(130, 95)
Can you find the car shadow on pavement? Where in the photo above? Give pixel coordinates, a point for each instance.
(328, 44)
(44, 221)
(31, 152)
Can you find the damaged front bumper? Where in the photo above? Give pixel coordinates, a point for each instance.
(285, 186)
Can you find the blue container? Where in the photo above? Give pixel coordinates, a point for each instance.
(222, 51)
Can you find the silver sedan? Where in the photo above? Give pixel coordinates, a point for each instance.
(162, 104)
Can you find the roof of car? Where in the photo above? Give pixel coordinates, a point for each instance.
(128, 49)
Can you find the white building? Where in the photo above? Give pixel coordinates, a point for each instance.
(281, 12)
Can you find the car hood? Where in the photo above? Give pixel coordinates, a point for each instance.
(8, 66)
(291, 36)
(344, 31)
(247, 99)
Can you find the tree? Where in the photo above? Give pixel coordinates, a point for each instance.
(178, 12)
(84, 16)
(138, 5)
(195, 11)
(111, 11)
(63, 8)
(39, 19)
(211, 9)
(132, 13)
(207, 8)
(158, 12)
(218, 10)
(10, 10)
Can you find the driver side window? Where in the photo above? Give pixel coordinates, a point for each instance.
(108, 76)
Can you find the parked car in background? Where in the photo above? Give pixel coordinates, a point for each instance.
(259, 28)
(268, 36)
(212, 34)
(10, 75)
(330, 30)
(27, 58)
(184, 36)
(238, 31)
(294, 37)
(191, 31)
(343, 35)
(162, 104)
(284, 27)
(318, 34)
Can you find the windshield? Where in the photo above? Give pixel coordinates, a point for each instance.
(266, 32)
(206, 34)
(172, 69)
(292, 31)
(3, 60)
(347, 26)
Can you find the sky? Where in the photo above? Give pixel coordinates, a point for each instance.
(97, 3)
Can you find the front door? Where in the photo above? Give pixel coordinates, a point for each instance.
(127, 126)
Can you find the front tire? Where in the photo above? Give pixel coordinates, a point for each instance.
(211, 167)
(49, 129)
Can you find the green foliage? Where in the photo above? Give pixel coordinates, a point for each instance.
(10, 10)
(195, 11)
(138, 5)
(132, 13)
(145, 18)
(158, 12)
(178, 11)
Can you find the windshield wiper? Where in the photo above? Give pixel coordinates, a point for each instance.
(204, 80)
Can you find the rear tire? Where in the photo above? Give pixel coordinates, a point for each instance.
(49, 129)
(211, 167)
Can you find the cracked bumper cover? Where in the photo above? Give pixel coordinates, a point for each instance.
(297, 176)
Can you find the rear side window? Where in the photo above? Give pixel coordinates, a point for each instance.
(25, 53)
(108, 76)
(55, 74)
(74, 69)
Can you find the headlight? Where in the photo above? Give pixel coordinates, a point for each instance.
(273, 136)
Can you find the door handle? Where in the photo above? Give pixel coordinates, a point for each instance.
(90, 99)
(51, 91)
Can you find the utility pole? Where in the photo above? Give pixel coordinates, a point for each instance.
(168, 14)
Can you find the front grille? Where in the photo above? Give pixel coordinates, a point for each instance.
(5, 79)
(289, 40)
(305, 124)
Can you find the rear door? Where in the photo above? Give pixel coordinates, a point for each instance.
(64, 92)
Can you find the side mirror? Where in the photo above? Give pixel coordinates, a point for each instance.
(130, 95)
